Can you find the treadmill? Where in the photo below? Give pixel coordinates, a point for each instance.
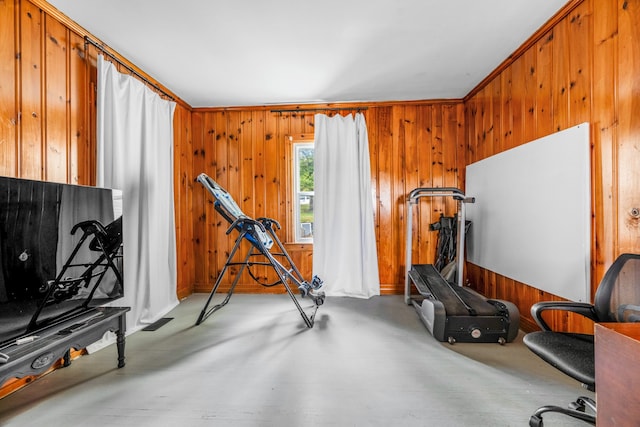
(450, 311)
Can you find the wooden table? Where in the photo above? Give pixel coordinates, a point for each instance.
(53, 342)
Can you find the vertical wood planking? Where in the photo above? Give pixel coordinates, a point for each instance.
(451, 153)
(234, 138)
(461, 153)
(32, 99)
(412, 171)
(190, 219)
(271, 143)
(245, 169)
(385, 201)
(246, 162)
(201, 152)
(506, 109)
(476, 129)
(437, 204)
(410, 142)
(185, 218)
(560, 77)
(496, 141)
(398, 193)
(543, 103)
(258, 139)
(273, 139)
(628, 125)
(210, 227)
(470, 139)
(79, 155)
(8, 91)
(222, 247)
(232, 178)
(422, 248)
(486, 125)
(258, 164)
(603, 118)
(529, 89)
(56, 116)
(282, 168)
(518, 103)
(579, 32)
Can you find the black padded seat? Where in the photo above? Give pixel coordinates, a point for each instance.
(572, 353)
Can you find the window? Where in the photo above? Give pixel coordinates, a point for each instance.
(303, 191)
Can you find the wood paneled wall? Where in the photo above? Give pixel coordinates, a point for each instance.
(45, 97)
(246, 151)
(47, 110)
(582, 67)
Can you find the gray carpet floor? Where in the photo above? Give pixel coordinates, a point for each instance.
(254, 363)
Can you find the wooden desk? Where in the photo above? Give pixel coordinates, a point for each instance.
(617, 358)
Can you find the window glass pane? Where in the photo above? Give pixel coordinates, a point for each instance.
(303, 197)
(305, 160)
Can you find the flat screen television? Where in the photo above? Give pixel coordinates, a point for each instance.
(60, 252)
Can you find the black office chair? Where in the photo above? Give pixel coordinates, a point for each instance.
(617, 300)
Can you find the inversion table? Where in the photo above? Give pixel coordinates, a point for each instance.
(261, 235)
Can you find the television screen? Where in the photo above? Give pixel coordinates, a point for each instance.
(60, 252)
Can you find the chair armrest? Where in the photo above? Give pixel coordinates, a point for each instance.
(582, 308)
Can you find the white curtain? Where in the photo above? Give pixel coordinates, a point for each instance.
(344, 242)
(135, 154)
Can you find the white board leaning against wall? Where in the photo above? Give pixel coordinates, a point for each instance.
(531, 221)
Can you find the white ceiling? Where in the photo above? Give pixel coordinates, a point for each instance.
(214, 53)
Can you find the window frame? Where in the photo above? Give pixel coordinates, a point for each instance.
(294, 143)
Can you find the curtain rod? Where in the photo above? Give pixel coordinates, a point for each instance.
(131, 70)
(302, 110)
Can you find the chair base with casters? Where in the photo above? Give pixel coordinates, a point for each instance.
(617, 299)
(576, 409)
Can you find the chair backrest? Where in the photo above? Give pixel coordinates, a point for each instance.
(618, 295)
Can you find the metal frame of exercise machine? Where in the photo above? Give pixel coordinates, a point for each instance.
(260, 233)
(450, 311)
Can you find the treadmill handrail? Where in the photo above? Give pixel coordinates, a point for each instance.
(434, 191)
